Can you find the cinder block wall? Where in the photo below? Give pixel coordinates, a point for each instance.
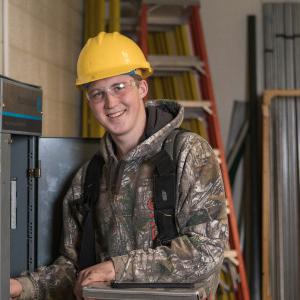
(45, 38)
(1, 37)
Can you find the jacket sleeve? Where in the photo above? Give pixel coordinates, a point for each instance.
(197, 254)
(56, 280)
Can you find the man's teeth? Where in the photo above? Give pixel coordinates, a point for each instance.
(116, 114)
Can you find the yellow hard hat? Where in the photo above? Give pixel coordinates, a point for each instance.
(110, 54)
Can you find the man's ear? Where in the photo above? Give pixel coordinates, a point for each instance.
(143, 88)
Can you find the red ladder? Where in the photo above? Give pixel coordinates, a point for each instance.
(213, 128)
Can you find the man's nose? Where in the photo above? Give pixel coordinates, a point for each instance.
(110, 100)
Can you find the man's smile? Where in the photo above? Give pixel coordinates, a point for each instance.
(116, 114)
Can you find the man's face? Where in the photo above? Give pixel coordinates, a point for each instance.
(117, 103)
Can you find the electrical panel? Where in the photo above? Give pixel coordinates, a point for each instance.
(35, 174)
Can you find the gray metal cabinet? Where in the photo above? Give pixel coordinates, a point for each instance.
(34, 176)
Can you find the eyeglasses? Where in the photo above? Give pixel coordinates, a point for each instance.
(117, 90)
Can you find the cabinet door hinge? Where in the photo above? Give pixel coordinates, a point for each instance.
(35, 172)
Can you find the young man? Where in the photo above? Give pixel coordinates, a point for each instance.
(112, 70)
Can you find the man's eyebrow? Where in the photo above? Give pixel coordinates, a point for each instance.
(96, 88)
(117, 83)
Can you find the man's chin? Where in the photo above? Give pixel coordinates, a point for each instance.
(117, 132)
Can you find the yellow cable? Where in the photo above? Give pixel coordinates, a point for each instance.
(203, 129)
(157, 40)
(114, 16)
(100, 15)
(164, 86)
(92, 17)
(94, 21)
(189, 77)
(194, 96)
(150, 88)
(151, 46)
(168, 39)
(183, 29)
(86, 21)
(176, 84)
(85, 109)
(179, 41)
(159, 88)
(164, 43)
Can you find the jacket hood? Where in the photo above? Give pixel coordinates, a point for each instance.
(162, 117)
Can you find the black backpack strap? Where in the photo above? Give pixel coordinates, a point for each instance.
(164, 199)
(87, 255)
(165, 191)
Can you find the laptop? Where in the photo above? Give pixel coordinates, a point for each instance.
(141, 291)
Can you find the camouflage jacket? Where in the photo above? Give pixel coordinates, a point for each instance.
(124, 218)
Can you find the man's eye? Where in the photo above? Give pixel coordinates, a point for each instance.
(97, 94)
(119, 87)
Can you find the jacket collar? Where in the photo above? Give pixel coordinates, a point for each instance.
(162, 117)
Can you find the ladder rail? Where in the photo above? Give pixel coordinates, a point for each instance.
(206, 87)
(214, 128)
(143, 29)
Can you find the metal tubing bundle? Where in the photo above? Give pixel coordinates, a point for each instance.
(281, 251)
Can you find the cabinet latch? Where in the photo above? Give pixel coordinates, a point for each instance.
(36, 173)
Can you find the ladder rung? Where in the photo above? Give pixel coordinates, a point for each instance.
(175, 63)
(233, 261)
(230, 253)
(167, 20)
(218, 155)
(155, 23)
(205, 104)
(232, 256)
(227, 207)
(173, 2)
(167, 16)
(194, 109)
(194, 105)
(160, 15)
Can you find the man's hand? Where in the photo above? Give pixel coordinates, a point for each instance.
(15, 288)
(98, 273)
